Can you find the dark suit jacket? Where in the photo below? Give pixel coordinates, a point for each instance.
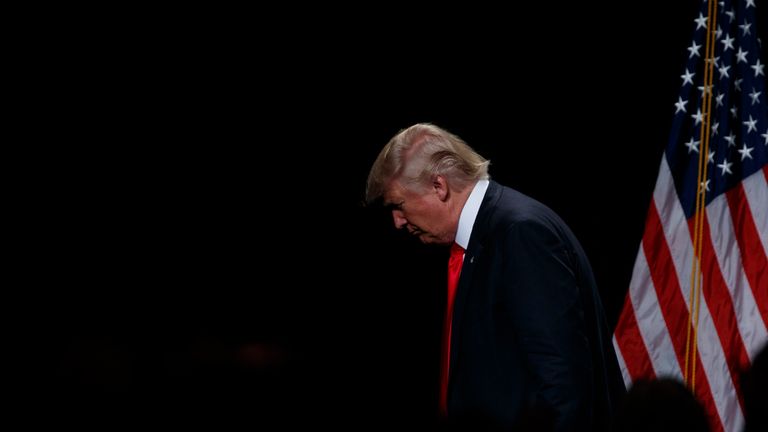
(529, 338)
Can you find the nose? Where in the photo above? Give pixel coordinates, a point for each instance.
(399, 219)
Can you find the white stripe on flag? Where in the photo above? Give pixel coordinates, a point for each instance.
(750, 325)
(756, 190)
(622, 365)
(650, 321)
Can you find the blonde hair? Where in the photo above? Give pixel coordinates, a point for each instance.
(418, 153)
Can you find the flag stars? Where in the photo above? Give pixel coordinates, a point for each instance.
(765, 135)
(725, 167)
(705, 185)
(687, 77)
(749, 3)
(711, 157)
(750, 124)
(745, 152)
(701, 21)
(734, 111)
(719, 99)
(698, 116)
(741, 56)
(727, 43)
(680, 105)
(718, 32)
(724, 71)
(715, 126)
(731, 138)
(705, 89)
(694, 50)
(693, 146)
(737, 84)
(758, 68)
(745, 28)
(731, 14)
(755, 95)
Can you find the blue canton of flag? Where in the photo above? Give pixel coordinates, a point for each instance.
(739, 121)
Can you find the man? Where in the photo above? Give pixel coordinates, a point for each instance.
(525, 341)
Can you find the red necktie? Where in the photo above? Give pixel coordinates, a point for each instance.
(454, 270)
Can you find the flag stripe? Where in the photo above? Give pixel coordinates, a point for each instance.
(629, 342)
(750, 326)
(752, 253)
(622, 365)
(654, 337)
(673, 307)
(756, 191)
(765, 171)
(720, 307)
(678, 239)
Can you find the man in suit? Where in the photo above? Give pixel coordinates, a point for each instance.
(527, 343)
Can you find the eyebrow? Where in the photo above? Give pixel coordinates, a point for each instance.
(393, 206)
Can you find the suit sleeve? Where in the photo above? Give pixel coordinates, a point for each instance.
(541, 297)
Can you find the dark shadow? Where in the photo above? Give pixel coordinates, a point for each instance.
(660, 405)
(754, 383)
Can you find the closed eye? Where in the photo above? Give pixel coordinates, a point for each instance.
(394, 206)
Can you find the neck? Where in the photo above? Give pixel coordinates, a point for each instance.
(460, 199)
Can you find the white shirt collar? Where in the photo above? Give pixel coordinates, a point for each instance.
(469, 213)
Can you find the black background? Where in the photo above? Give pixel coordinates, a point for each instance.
(207, 256)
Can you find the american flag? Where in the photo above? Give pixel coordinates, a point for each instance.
(697, 305)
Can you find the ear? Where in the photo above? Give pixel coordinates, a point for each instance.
(440, 186)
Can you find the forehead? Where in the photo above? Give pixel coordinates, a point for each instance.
(394, 192)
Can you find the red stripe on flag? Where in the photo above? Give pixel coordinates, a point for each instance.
(631, 344)
(704, 395)
(664, 276)
(752, 253)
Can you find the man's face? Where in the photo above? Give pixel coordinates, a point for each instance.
(421, 212)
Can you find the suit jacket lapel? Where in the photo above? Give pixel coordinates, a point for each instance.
(474, 251)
